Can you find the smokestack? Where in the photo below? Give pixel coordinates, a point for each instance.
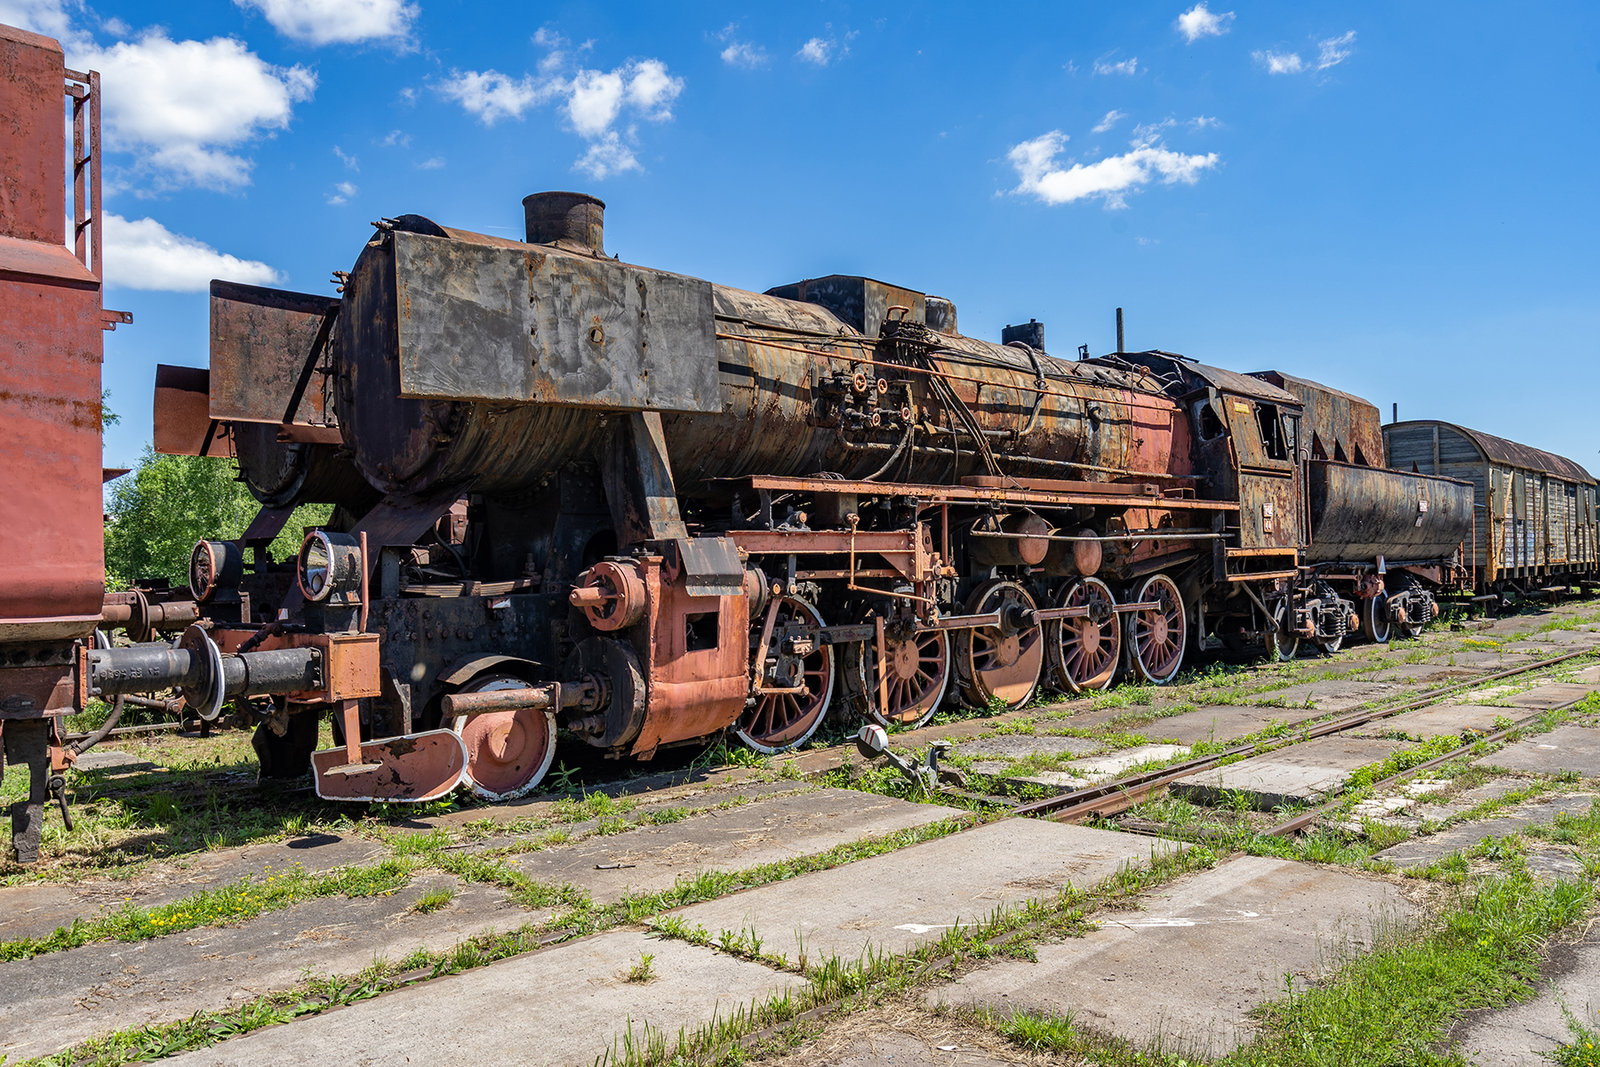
(577, 218)
(1119, 332)
(1395, 417)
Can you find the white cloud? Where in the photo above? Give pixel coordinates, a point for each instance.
(1112, 118)
(1204, 122)
(1126, 66)
(397, 139)
(431, 163)
(818, 50)
(493, 96)
(652, 90)
(744, 55)
(143, 254)
(48, 17)
(594, 102)
(1109, 179)
(188, 105)
(1332, 51)
(1150, 132)
(607, 156)
(1198, 22)
(320, 22)
(346, 158)
(342, 192)
(1280, 62)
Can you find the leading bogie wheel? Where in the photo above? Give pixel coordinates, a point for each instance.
(780, 721)
(1084, 652)
(1158, 634)
(999, 664)
(1378, 625)
(508, 752)
(919, 675)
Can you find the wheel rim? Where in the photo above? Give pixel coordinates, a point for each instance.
(994, 662)
(1281, 646)
(919, 674)
(781, 721)
(508, 752)
(1159, 633)
(1378, 626)
(1084, 652)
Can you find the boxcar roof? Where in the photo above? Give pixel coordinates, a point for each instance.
(1512, 454)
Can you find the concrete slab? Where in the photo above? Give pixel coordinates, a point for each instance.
(569, 1004)
(1301, 774)
(1021, 746)
(1424, 674)
(1589, 676)
(650, 859)
(1440, 720)
(35, 910)
(1468, 799)
(1550, 695)
(68, 997)
(899, 900)
(111, 761)
(1524, 1035)
(1060, 781)
(1187, 969)
(1112, 764)
(1565, 749)
(1332, 694)
(1223, 722)
(1422, 851)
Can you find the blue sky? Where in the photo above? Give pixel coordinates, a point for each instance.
(1398, 200)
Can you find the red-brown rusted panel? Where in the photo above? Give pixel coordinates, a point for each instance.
(51, 572)
(183, 425)
(260, 341)
(32, 136)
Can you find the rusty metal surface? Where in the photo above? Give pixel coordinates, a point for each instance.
(861, 303)
(414, 447)
(51, 575)
(260, 341)
(182, 414)
(32, 195)
(284, 473)
(1360, 513)
(1509, 453)
(1334, 425)
(483, 323)
(410, 769)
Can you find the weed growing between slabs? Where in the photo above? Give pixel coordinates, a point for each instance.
(430, 851)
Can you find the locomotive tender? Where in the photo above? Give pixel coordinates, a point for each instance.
(634, 508)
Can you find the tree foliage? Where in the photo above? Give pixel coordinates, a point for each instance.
(163, 506)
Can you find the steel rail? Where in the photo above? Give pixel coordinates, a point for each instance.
(1111, 797)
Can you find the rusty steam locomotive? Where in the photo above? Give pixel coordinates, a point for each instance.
(582, 499)
(585, 498)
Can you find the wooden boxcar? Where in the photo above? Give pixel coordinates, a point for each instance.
(1535, 511)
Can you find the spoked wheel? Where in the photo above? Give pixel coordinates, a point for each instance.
(508, 752)
(1083, 652)
(1282, 645)
(999, 663)
(1159, 633)
(781, 721)
(1329, 645)
(919, 674)
(1378, 625)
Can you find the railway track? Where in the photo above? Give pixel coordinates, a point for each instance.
(1120, 794)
